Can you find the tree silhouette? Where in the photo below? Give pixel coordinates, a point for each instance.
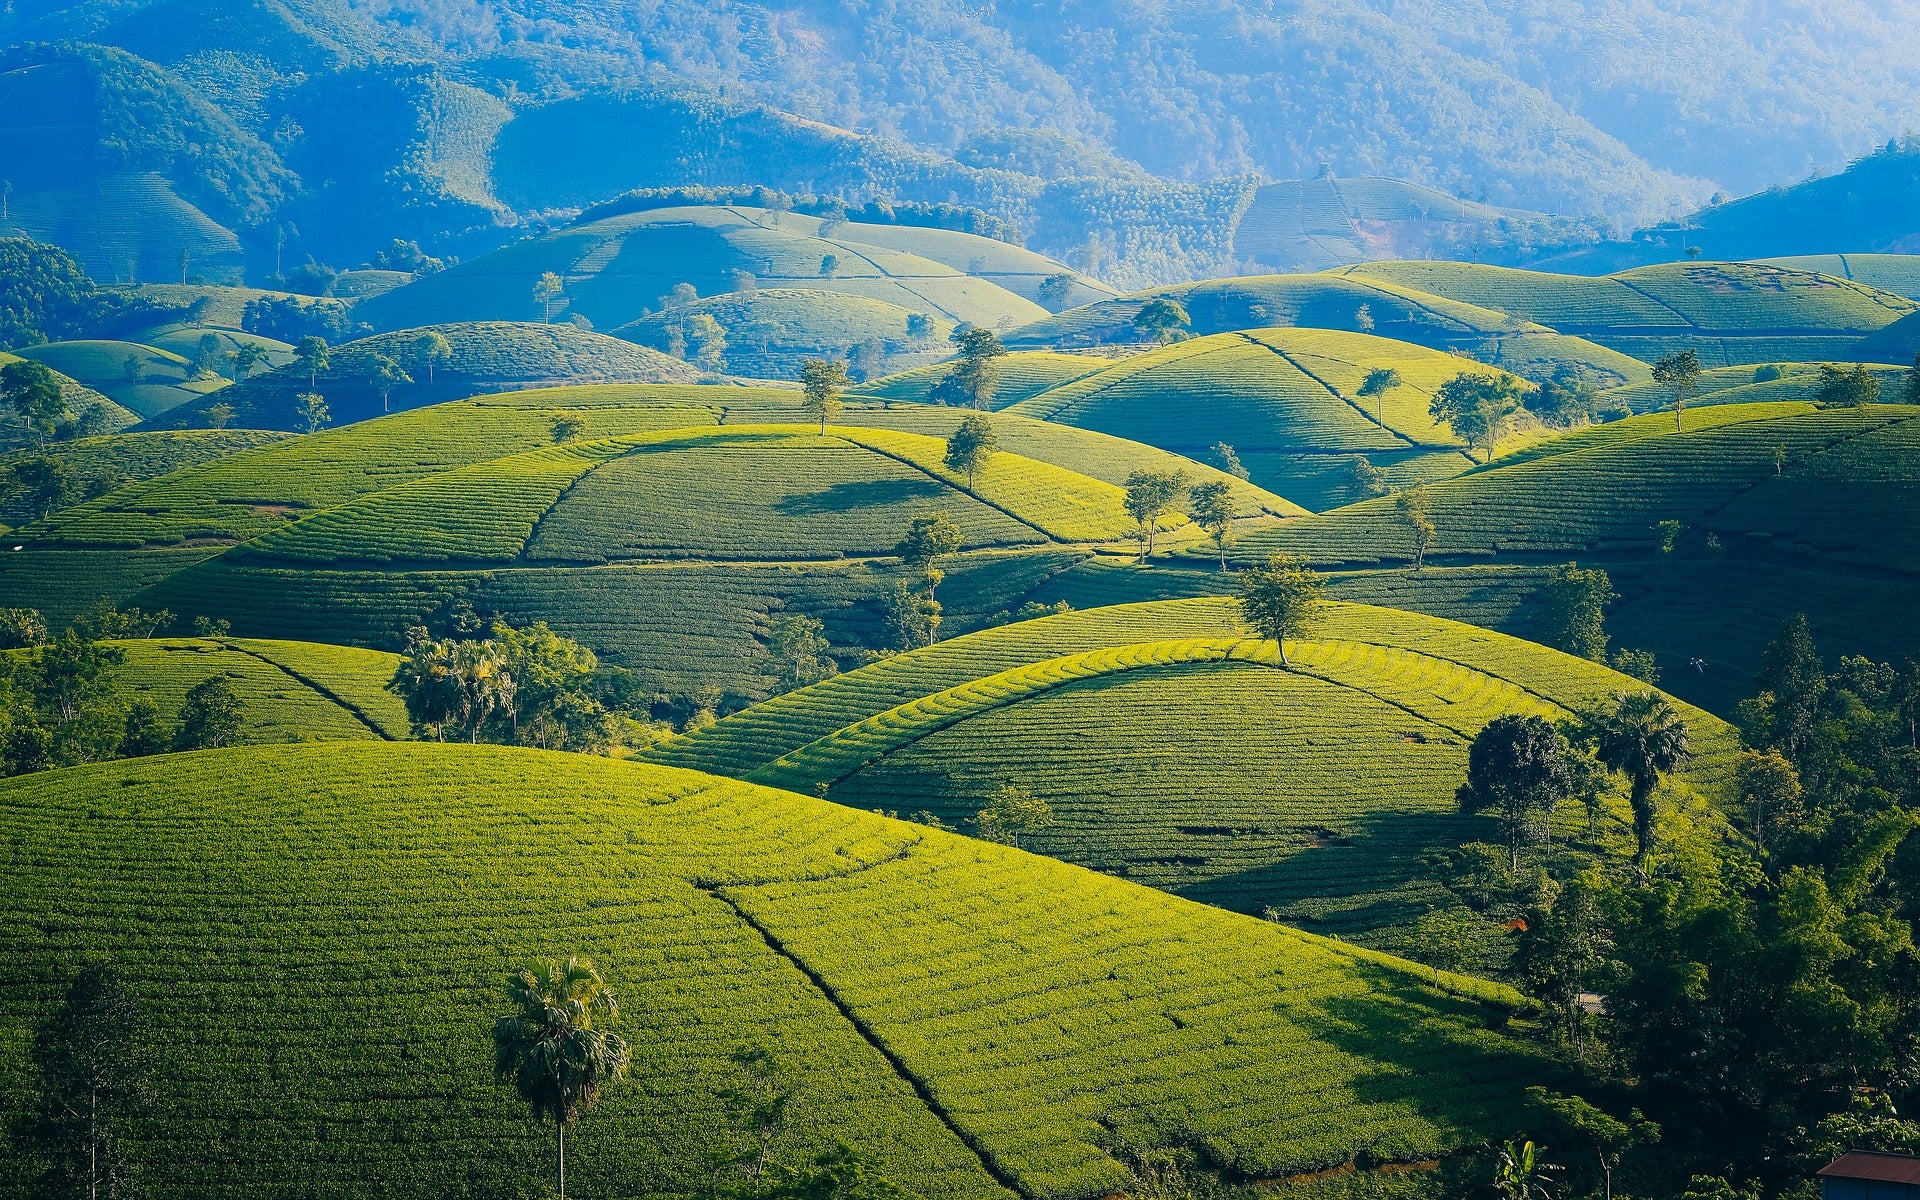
(550, 1050)
(1643, 738)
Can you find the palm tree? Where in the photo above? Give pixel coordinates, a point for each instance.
(1643, 738)
(557, 1060)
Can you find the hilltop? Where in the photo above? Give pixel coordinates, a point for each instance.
(481, 357)
(1775, 510)
(1322, 791)
(806, 924)
(1286, 400)
(618, 269)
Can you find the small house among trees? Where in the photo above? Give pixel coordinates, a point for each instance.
(1871, 1175)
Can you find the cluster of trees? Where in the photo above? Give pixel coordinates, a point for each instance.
(519, 687)
(62, 702)
(1744, 979)
(289, 320)
(34, 396)
(970, 382)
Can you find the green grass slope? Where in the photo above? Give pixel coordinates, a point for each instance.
(1021, 376)
(619, 268)
(1743, 385)
(1177, 751)
(1896, 273)
(289, 691)
(1285, 399)
(81, 400)
(487, 356)
(144, 379)
(1897, 343)
(726, 916)
(1729, 313)
(1826, 529)
(771, 331)
(125, 458)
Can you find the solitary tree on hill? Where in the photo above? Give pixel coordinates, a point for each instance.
(245, 357)
(210, 718)
(93, 1075)
(829, 266)
(1163, 320)
(973, 378)
(1149, 495)
(709, 339)
(972, 444)
(551, 1049)
(384, 374)
(1281, 600)
(1517, 769)
(33, 391)
(1770, 788)
(1011, 811)
(311, 409)
(567, 426)
(1477, 406)
(1575, 601)
(1054, 290)
(821, 381)
(1679, 374)
(930, 540)
(797, 652)
(1228, 461)
(219, 416)
(1416, 512)
(1210, 505)
(1375, 387)
(546, 290)
(432, 349)
(311, 354)
(1643, 738)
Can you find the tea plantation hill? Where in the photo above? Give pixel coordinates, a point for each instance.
(1896, 273)
(771, 331)
(150, 374)
(125, 458)
(485, 357)
(1318, 224)
(1019, 376)
(1766, 383)
(1779, 509)
(618, 269)
(1728, 313)
(1323, 789)
(1285, 399)
(979, 1021)
(131, 539)
(664, 552)
(112, 417)
(1339, 302)
(289, 691)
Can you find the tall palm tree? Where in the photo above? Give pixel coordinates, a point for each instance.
(1643, 738)
(558, 1061)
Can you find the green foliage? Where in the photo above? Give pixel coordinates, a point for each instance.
(1210, 504)
(1150, 494)
(1517, 770)
(822, 380)
(550, 1049)
(1011, 811)
(313, 412)
(45, 296)
(1574, 611)
(798, 652)
(33, 391)
(972, 444)
(1642, 737)
(94, 1078)
(1477, 406)
(1842, 388)
(1281, 600)
(1679, 374)
(211, 716)
(1163, 320)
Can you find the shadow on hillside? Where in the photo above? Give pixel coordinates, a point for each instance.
(1371, 876)
(866, 493)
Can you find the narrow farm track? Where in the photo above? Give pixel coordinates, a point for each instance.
(1335, 392)
(353, 709)
(921, 1088)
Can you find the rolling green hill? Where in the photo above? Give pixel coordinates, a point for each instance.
(770, 331)
(1896, 273)
(1743, 385)
(1285, 399)
(288, 691)
(1021, 375)
(108, 416)
(1730, 313)
(143, 379)
(1319, 224)
(727, 917)
(127, 458)
(1322, 790)
(1797, 511)
(617, 269)
(485, 356)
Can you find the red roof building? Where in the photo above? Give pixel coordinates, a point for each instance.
(1870, 1175)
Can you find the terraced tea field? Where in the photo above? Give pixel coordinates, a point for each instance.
(981, 1022)
(1020, 376)
(618, 268)
(772, 331)
(289, 691)
(1287, 400)
(135, 457)
(1177, 752)
(145, 380)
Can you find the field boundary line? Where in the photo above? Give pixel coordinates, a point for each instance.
(533, 531)
(358, 713)
(958, 487)
(994, 1168)
(1337, 394)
